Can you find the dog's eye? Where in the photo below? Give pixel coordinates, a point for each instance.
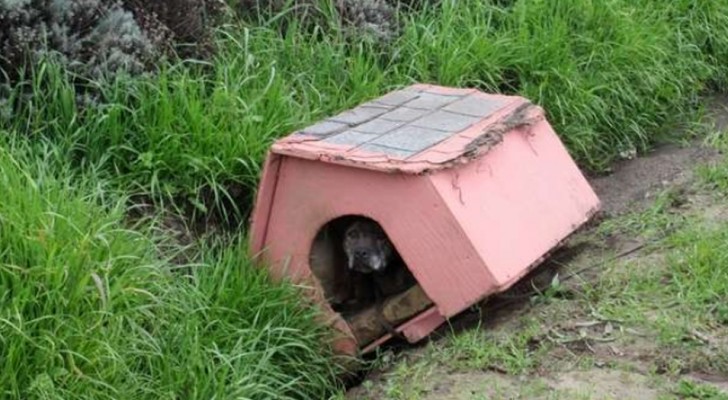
(352, 234)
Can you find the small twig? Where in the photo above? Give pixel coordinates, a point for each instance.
(635, 332)
(615, 351)
(587, 324)
(571, 339)
(701, 336)
(585, 339)
(588, 346)
(602, 318)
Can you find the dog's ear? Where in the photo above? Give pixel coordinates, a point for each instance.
(385, 247)
(352, 228)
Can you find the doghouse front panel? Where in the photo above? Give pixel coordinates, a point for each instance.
(433, 245)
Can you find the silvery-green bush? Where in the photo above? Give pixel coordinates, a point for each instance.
(89, 37)
(98, 38)
(364, 19)
(374, 18)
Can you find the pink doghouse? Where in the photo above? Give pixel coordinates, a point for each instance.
(472, 189)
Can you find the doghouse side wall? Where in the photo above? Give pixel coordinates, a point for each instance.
(518, 201)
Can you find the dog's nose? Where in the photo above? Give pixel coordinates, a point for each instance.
(361, 254)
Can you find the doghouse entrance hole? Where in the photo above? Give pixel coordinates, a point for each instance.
(350, 292)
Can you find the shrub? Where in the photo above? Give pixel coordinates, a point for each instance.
(90, 37)
(372, 20)
(190, 23)
(100, 38)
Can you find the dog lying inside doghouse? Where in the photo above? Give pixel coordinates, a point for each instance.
(361, 273)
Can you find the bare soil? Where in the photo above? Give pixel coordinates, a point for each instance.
(590, 357)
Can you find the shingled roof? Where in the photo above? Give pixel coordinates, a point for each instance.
(415, 129)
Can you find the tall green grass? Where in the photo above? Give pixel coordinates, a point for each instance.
(89, 310)
(612, 74)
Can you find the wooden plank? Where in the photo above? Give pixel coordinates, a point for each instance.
(367, 325)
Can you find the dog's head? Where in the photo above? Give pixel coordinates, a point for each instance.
(367, 247)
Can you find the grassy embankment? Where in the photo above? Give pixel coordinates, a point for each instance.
(88, 307)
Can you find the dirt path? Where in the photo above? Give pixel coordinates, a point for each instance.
(559, 344)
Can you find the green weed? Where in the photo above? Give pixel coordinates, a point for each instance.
(694, 391)
(513, 353)
(408, 381)
(678, 294)
(656, 221)
(715, 176)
